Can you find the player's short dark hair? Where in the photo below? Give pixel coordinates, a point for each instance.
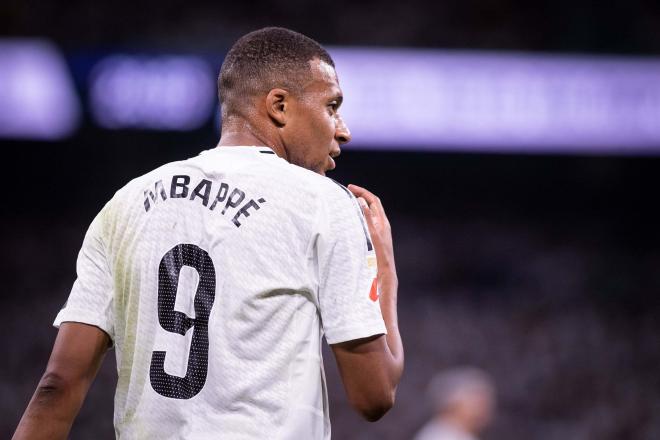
(265, 59)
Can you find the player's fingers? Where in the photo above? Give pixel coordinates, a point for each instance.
(375, 206)
(364, 205)
(358, 191)
(368, 215)
(370, 211)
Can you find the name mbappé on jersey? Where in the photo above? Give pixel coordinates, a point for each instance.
(180, 188)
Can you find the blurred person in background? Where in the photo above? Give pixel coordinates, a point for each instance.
(463, 401)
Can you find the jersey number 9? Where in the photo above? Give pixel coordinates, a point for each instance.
(177, 322)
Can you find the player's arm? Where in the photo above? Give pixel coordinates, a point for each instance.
(371, 368)
(73, 364)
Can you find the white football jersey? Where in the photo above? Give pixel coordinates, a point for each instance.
(216, 278)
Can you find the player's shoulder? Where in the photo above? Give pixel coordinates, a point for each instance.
(337, 198)
(338, 190)
(317, 185)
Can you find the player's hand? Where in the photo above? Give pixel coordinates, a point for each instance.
(379, 228)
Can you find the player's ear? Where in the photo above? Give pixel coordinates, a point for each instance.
(277, 104)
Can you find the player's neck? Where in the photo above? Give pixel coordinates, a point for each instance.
(244, 134)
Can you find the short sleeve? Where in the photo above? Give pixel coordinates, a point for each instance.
(91, 298)
(348, 297)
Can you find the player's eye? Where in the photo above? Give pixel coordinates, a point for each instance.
(333, 106)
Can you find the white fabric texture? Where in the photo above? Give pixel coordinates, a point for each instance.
(232, 265)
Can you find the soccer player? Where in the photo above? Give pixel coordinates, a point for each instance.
(215, 278)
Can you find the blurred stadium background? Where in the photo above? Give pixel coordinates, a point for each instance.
(515, 145)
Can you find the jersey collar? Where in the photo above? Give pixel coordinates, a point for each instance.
(247, 148)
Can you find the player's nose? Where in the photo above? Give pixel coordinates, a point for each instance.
(342, 133)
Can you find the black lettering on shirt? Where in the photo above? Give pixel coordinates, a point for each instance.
(244, 210)
(220, 197)
(197, 192)
(183, 185)
(150, 196)
(234, 202)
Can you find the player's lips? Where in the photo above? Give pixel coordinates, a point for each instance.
(331, 156)
(335, 153)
